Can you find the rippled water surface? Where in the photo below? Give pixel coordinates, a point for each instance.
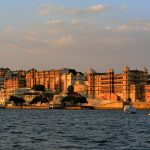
(74, 130)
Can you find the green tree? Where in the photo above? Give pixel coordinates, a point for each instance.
(35, 100)
(70, 89)
(39, 87)
(74, 100)
(40, 98)
(82, 99)
(17, 100)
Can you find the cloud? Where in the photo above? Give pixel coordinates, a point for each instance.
(76, 39)
(137, 25)
(75, 21)
(98, 8)
(69, 11)
(9, 29)
(31, 36)
(63, 41)
(44, 10)
(52, 22)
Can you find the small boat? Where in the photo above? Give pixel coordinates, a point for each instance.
(129, 109)
(148, 114)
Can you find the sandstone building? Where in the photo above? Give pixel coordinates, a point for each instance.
(118, 87)
(54, 80)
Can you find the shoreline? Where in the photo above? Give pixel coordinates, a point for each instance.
(107, 106)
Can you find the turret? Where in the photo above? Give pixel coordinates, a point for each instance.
(145, 75)
(145, 69)
(91, 71)
(126, 69)
(126, 81)
(111, 81)
(91, 83)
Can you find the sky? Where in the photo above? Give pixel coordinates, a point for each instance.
(79, 34)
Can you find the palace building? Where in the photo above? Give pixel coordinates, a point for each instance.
(14, 83)
(50, 79)
(54, 80)
(117, 87)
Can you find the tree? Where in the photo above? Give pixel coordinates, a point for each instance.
(35, 100)
(38, 87)
(74, 100)
(17, 100)
(44, 99)
(73, 97)
(70, 89)
(40, 98)
(82, 99)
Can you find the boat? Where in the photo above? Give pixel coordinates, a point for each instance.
(129, 109)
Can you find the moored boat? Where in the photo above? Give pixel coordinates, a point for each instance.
(129, 109)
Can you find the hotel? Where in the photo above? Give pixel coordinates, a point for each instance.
(118, 87)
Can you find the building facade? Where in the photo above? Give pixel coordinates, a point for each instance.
(50, 79)
(14, 83)
(54, 80)
(4, 72)
(111, 86)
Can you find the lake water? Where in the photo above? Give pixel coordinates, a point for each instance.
(74, 130)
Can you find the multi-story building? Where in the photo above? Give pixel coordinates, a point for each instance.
(6, 93)
(14, 83)
(50, 79)
(1, 82)
(55, 80)
(80, 87)
(111, 86)
(4, 71)
(70, 79)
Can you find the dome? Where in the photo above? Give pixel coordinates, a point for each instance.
(91, 71)
(110, 70)
(32, 70)
(126, 68)
(145, 69)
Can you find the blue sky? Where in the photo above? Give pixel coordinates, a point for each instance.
(79, 34)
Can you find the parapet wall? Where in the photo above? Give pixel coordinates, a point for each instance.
(119, 105)
(141, 105)
(112, 105)
(27, 107)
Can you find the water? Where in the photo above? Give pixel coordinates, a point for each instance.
(74, 130)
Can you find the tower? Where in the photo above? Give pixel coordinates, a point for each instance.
(91, 83)
(111, 82)
(126, 93)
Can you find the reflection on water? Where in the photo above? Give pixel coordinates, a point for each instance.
(74, 130)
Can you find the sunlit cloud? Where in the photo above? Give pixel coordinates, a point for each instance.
(52, 22)
(75, 21)
(44, 10)
(98, 8)
(9, 29)
(63, 10)
(71, 33)
(63, 41)
(32, 36)
(137, 25)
